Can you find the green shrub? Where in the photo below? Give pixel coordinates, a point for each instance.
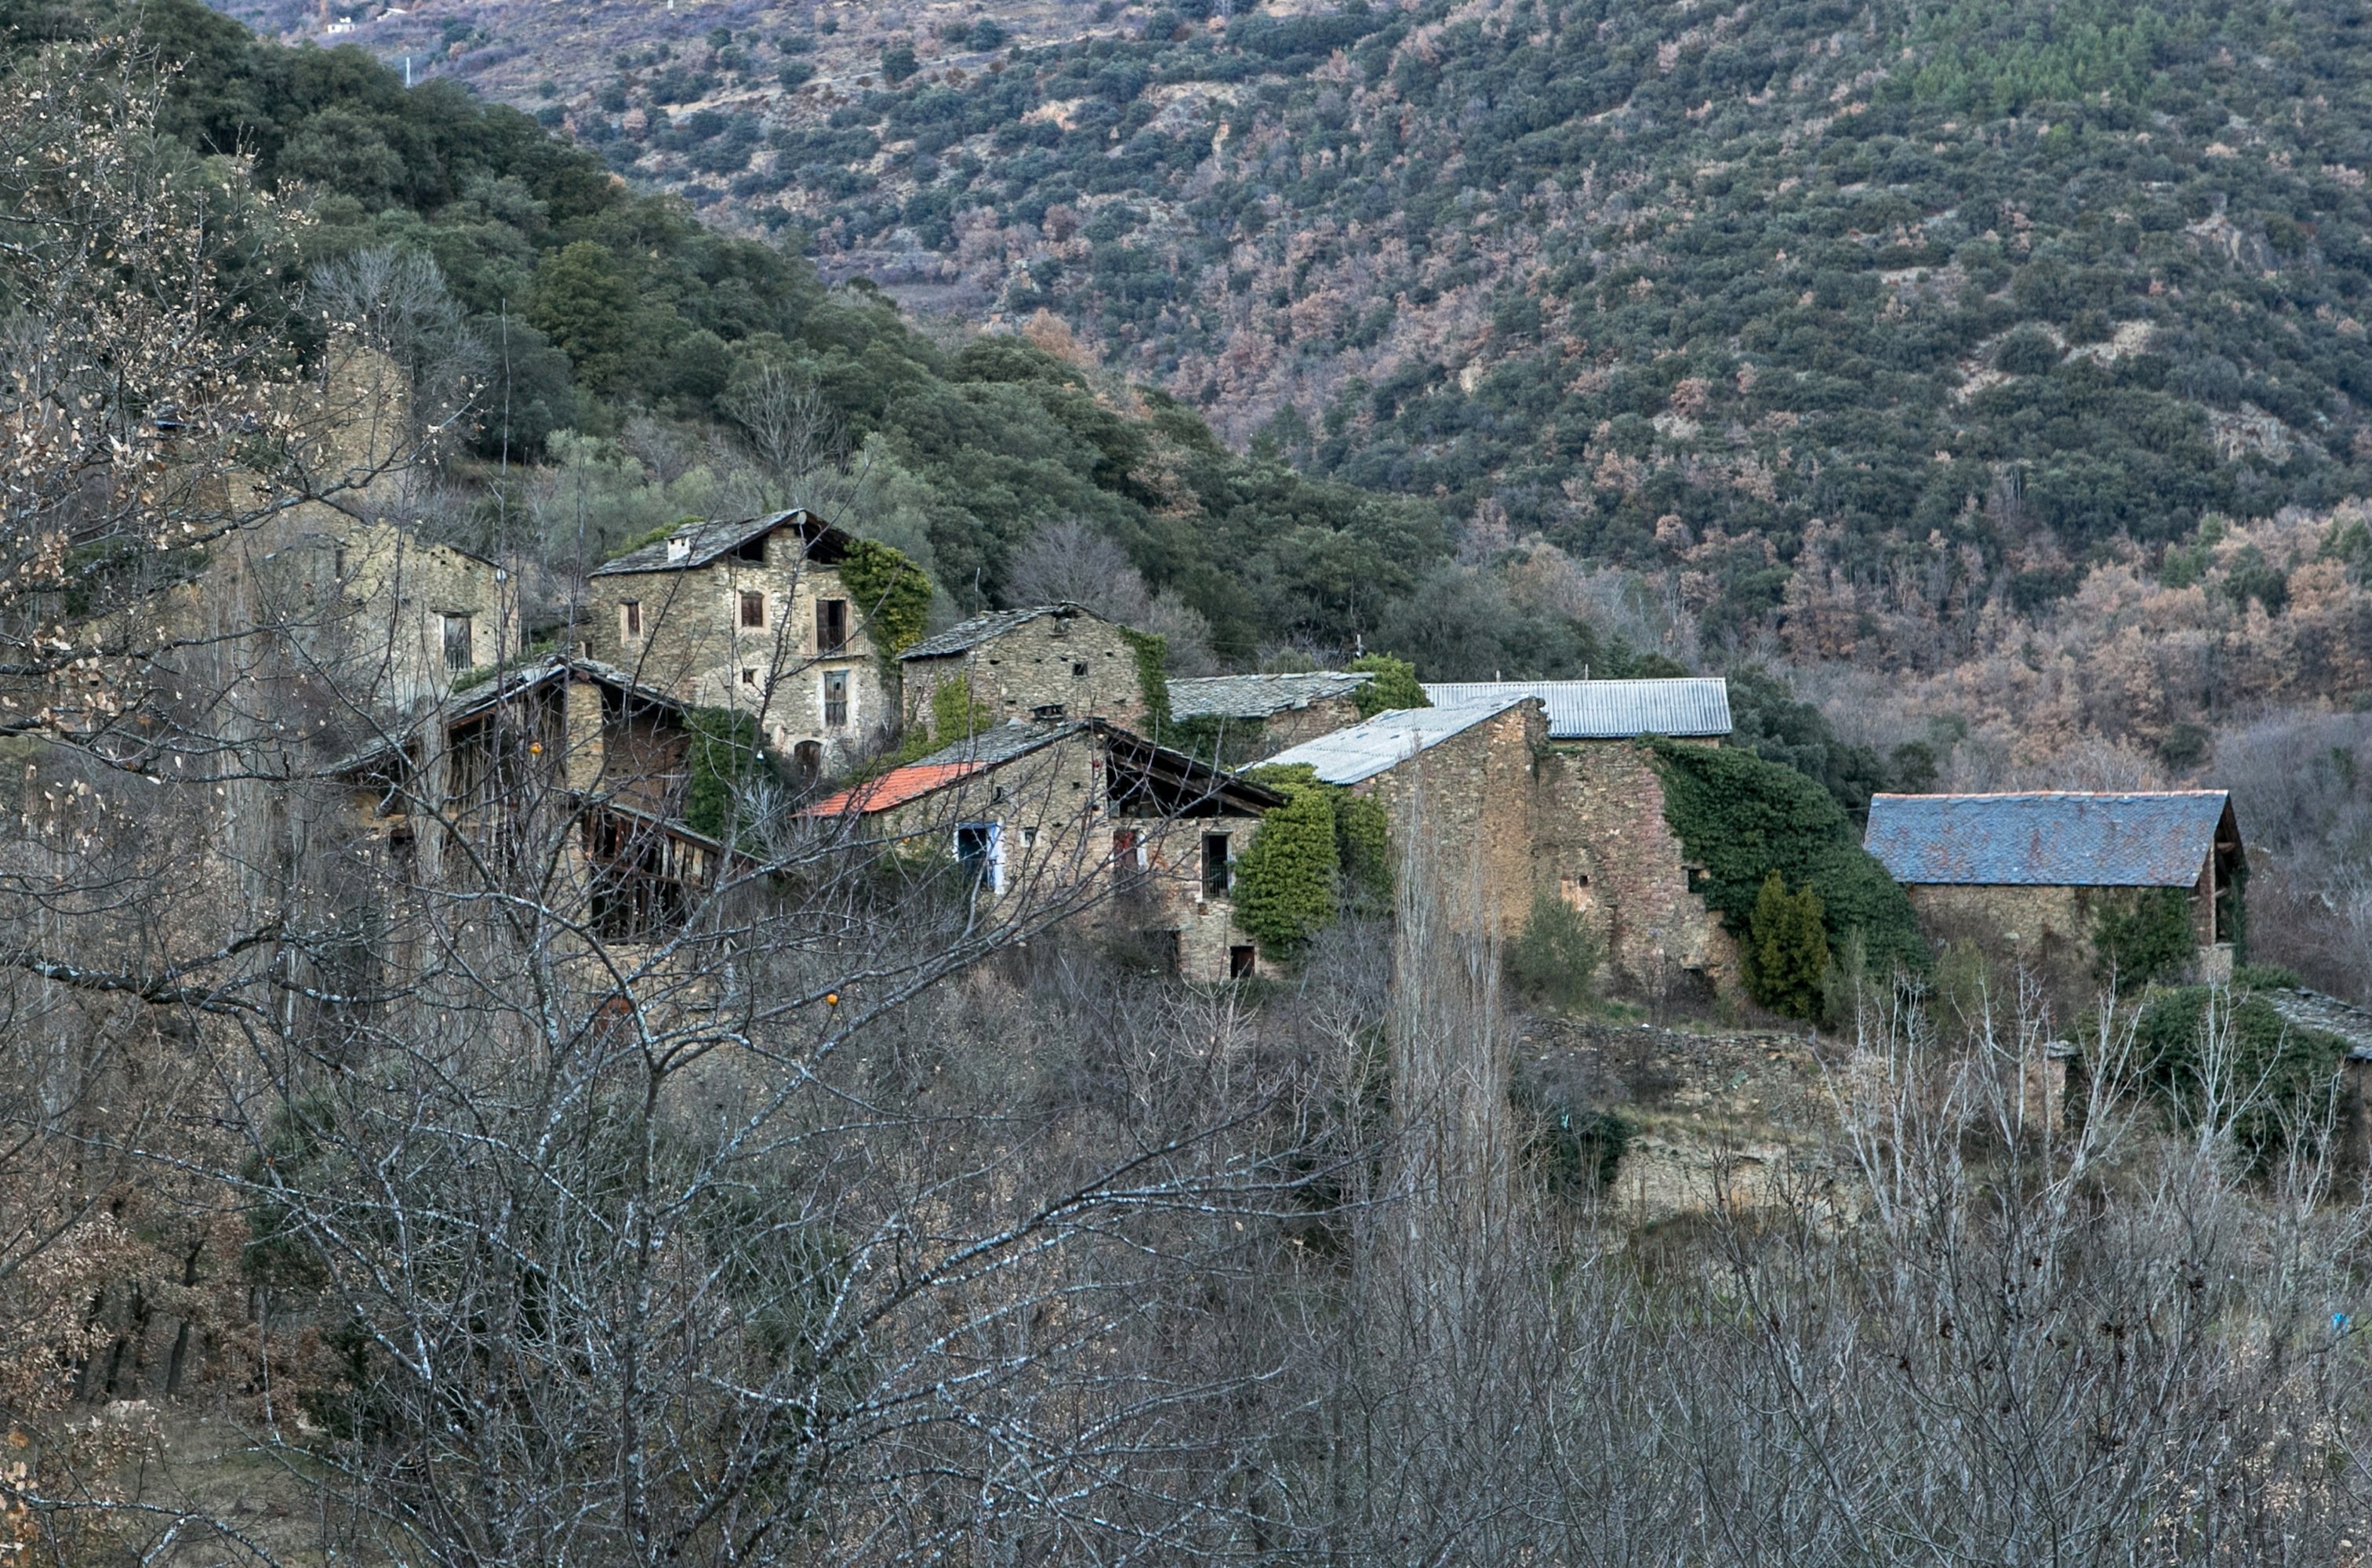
(2289, 1068)
(1395, 685)
(1742, 817)
(2143, 936)
(1556, 960)
(1787, 949)
(1577, 1149)
(724, 757)
(2264, 977)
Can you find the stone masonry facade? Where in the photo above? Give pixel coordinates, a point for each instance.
(1063, 664)
(766, 630)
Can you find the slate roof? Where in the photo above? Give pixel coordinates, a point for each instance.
(1258, 696)
(1156, 771)
(969, 635)
(2046, 839)
(706, 540)
(1390, 738)
(1001, 743)
(1690, 707)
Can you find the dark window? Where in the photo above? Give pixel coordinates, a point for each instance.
(976, 853)
(751, 550)
(831, 625)
(630, 619)
(1079, 670)
(835, 698)
(1047, 711)
(1241, 960)
(750, 676)
(753, 608)
(1216, 878)
(1696, 878)
(807, 760)
(457, 642)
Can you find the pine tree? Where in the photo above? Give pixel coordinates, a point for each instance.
(1787, 948)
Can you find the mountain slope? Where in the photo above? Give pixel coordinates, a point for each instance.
(1976, 289)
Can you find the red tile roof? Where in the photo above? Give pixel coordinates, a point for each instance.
(893, 788)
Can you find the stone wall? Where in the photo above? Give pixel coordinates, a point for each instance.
(684, 635)
(1289, 727)
(1602, 845)
(1469, 800)
(1059, 846)
(1070, 667)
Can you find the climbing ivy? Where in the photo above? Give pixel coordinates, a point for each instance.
(1324, 852)
(1152, 650)
(1395, 685)
(892, 591)
(724, 759)
(2141, 936)
(1742, 817)
(955, 714)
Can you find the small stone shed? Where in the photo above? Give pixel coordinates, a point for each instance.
(1598, 835)
(751, 616)
(2025, 876)
(1048, 662)
(1460, 780)
(1079, 819)
(1246, 716)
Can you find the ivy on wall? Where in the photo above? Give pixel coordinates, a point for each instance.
(1324, 852)
(955, 714)
(1152, 650)
(893, 593)
(2142, 935)
(724, 759)
(1742, 817)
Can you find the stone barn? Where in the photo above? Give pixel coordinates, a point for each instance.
(1599, 837)
(2026, 878)
(1462, 777)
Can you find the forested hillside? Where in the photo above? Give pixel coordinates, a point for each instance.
(2022, 278)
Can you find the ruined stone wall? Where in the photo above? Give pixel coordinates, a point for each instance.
(1470, 799)
(2046, 932)
(1290, 727)
(691, 644)
(1602, 845)
(1071, 667)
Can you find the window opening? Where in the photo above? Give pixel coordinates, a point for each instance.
(1046, 712)
(1242, 960)
(835, 699)
(1078, 669)
(457, 642)
(753, 608)
(980, 856)
(630, 620)
(831, 625)
(1216, 869)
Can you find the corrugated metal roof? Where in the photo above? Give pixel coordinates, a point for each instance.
(1610, 710)
(968, 634)
(2045, 840)
(1388, 739)
(1258, 696)
(698, 543)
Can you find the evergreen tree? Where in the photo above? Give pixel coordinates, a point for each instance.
(1787, 948)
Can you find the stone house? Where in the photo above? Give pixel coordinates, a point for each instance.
(1045, 664)
(559, 746)
(1058, 820)
(753, 617)
(1598, 834)
(1239, 717)
(2026, 877)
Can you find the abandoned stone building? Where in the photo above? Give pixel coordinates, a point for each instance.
(1048, 820)
(1545, 783)
(1046, 663)
(753, 617)
(1238, 718)
(2026, 877)
(565, 748)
